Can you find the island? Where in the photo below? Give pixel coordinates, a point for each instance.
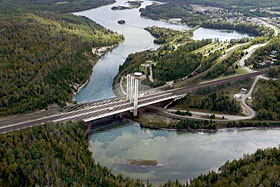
(129, 5)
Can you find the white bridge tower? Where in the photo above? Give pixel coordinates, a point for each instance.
(132, 92)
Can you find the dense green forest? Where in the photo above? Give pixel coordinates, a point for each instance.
(225, 67)
(44, 55)
(62, 6)
(214, 102)
(171, 64)
(267, 100)
(210, 99)
(53, 155)
(217, 98)
(173, 9)
(163, 35)
(274, 72)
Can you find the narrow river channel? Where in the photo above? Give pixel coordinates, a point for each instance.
(158, 155)
(136, 39)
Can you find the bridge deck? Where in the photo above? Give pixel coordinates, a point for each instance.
(100, 110)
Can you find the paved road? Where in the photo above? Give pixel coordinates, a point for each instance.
(104, 109)
(251, 113)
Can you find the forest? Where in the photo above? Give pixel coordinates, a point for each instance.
(214, 102)
(214, 99)
(274, 72)
(171, 64)
(267, 100)
(58, 6)
(44, 56)
(173, 9)
(53, 155)
(162, 35)
(224, 67)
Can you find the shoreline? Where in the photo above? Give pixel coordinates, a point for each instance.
(99, 53)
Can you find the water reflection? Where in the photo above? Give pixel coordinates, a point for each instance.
(178, 154)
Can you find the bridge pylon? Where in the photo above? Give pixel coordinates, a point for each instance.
(132, 92)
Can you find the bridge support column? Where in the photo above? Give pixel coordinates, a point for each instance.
(134, 112)
(128, 78)
(132, 87)
(135, 98)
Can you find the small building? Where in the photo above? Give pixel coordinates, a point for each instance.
(243, 90)
(138, 74)
(237, 96)
(273, 52)
(261, 64)
(145, 65)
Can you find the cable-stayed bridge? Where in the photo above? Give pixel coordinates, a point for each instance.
(133, 100)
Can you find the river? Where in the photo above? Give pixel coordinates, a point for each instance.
(176, 155)
(136, 39)
(179, 154)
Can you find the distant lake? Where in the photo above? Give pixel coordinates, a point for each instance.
(221, 34)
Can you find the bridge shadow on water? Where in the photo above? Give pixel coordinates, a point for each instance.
(105, 123)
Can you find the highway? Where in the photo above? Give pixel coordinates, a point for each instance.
(99, 110)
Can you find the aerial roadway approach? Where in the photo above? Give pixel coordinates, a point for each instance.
(97, 110)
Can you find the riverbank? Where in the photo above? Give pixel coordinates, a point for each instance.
(63, 158)
(158, 119)
(53, 53)
(99, 52)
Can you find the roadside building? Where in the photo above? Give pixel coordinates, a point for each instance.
(237, 96)
(243, 91)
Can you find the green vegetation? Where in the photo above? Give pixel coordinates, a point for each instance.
(267, 100)
(178, 64)
(61, 6)
(132, 4)
(212, 102)
(195, 125)
(172, 9)
(259, 169)
(182, 113)
(225, 67)
(274, 72)
(163, 35)
(58, 155)
(234, 3)
(190, 15)
(171, 64)
(266, 53)
(45, 55)
(218, 98)
(53, 155)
